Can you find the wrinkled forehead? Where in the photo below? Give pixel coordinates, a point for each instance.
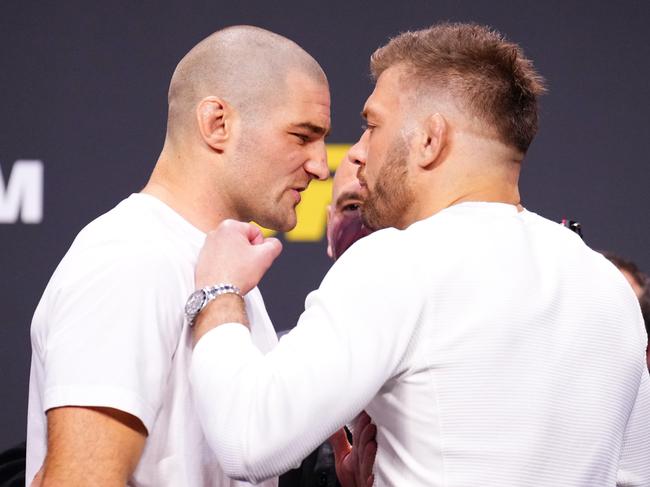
(308, 96)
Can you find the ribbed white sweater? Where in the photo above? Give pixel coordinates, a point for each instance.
(490, 346)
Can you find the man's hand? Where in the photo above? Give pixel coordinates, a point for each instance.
(354, 462)
(235, 253)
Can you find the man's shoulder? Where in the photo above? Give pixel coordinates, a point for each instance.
(120, 257)
(129, 239)
(138, 225)
(129, 221)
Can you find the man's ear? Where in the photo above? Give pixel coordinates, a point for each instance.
(434, 140)
(215, 120)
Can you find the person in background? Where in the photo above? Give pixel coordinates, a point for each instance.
(344, 223)
(640, 284)
(344, 227)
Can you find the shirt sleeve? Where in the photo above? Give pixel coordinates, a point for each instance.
(634, 464)
(113, 325)
(263, 413)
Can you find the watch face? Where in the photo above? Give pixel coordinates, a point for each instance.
(194, 303)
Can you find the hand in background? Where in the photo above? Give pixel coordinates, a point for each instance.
(38, 479)
(354, 463)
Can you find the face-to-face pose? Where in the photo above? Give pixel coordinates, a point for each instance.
(461, 329)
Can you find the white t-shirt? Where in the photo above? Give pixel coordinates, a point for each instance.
(109, 331)
(491, 347)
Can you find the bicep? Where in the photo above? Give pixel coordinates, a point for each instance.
(91, 446)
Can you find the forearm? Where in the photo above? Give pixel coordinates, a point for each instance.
(226, 308)
(259, 418)
(263, 413)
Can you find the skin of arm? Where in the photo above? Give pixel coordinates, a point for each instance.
(91, 446)
(226, 308)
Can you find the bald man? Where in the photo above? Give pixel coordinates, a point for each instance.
(109, 399)
(344, 223)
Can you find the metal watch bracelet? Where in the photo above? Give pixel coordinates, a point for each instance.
(199, 299)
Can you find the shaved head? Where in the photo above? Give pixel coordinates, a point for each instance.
(245, 66)
(345, 179)
(344, 224)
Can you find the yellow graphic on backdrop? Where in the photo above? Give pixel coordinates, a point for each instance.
(312, 210)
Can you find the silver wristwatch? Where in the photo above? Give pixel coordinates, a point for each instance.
(200, 298)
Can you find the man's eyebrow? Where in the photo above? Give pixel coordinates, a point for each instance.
(316, 129)
(347, 195)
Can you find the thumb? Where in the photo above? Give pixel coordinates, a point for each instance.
(267, 251)
(274, 247)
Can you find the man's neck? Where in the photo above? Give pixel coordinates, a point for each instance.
(500, 191)
(508, 196)
(187, 195)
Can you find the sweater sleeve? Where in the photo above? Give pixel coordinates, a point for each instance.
(633, 467)
(263, 413)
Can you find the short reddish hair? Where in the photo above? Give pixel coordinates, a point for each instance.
(491, 76)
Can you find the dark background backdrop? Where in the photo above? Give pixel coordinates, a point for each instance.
(83, 88)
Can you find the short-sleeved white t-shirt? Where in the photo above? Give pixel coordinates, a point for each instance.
(109, 331)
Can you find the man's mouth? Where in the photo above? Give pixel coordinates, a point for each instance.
(296, 192)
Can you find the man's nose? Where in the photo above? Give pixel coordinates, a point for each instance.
(359, 151)
(316, 165)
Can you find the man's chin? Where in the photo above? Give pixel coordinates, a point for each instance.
(287, 227)
(281, 225)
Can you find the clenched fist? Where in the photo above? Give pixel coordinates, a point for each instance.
(235, 253)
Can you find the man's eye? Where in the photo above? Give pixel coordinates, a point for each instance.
(367, 127)
(301, 137)
(351, 207)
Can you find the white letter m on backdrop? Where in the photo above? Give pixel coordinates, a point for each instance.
(23, 194)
